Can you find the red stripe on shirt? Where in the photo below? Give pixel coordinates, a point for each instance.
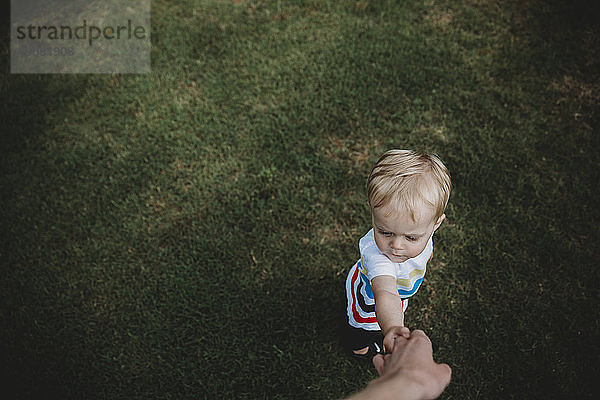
(357, 317)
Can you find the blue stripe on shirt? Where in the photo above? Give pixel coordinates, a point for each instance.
(403, 293)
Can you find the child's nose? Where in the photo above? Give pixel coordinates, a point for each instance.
(397, 243)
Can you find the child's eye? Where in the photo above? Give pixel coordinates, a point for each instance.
(386, 234)
(412, 238)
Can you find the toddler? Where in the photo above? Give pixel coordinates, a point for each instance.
(407, 193)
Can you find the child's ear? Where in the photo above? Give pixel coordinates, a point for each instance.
(439, 221)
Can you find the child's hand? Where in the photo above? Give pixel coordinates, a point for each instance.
(392, 334)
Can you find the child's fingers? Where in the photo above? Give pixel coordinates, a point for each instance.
(405, 332)
(388, 344)
(396, 333)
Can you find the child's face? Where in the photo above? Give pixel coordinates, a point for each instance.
(398, 236)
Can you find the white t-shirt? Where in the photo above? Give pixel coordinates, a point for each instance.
(359, 293)
(409, 274)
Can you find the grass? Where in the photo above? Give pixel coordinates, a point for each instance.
(186, 233)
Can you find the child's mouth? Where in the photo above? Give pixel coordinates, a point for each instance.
(400, 257)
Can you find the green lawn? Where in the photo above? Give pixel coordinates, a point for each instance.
(186, 234)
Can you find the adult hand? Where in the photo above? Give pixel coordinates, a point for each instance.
(410, 370)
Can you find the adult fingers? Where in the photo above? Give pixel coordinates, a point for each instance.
(421, 338)
(378, 363)
(419, 333)
(444, 373)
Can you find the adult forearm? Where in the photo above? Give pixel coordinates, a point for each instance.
(392, 389)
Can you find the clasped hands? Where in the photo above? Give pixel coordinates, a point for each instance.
(394, 333)
(409, 367)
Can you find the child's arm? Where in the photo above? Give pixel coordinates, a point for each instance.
(388, 308)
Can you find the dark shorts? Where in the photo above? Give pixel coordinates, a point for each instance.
(356, 338)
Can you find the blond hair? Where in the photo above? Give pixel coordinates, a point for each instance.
(408, 180)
